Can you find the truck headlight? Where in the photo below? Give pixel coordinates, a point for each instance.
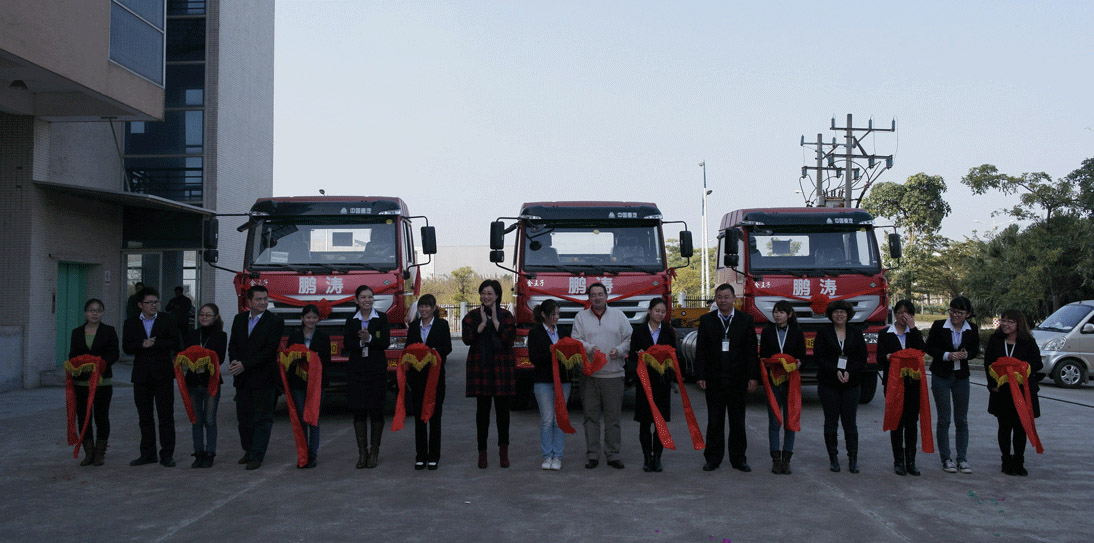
(871, 338)
(1055, 344)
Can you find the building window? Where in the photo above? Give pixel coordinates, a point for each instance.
(176, 178)
(186, 7)
(180, 133)
(186, 40)
(185, 85)
(137, 41)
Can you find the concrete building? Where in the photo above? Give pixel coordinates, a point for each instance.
(124, 124)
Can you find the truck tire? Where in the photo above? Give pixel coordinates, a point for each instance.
(868, 387)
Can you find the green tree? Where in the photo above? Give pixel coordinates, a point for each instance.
(689, 278)
(1037, 192)
(463, 277)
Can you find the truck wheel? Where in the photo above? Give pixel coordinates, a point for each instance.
(868, 387)
(1068, 374)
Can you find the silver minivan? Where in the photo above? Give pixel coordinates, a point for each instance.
(1066, 340)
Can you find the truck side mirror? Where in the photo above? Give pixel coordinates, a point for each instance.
(732, 238)
(210, 234)
(895, 251)
(497, 237)
(731, 261)
(687, 249)
(429, 240)
(210, 256)
(497, 256)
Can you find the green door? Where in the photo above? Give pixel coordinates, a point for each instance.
(71, 295)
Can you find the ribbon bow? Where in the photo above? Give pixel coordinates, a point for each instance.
(417, 356)
(907, 363)
(196, 359)
(662, 358)
(1015, 373)
(309, 367)
(85, 364)
(779, 369)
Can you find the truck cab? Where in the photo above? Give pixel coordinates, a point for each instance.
(319, 249)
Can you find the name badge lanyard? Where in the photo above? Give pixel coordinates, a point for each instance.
(1010, 351)
(725, 332)
(364, 344)
(842, 364)
(782, 338)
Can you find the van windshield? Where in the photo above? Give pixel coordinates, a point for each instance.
(1066, 318)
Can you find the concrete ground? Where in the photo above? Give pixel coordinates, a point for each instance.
(47, 497)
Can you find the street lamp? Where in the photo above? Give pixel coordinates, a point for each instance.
(706, 257)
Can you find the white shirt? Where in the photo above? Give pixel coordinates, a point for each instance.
(955, 335)
(364, 325)
(902, 338)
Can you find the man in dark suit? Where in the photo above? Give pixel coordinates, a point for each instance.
(728, 368)
(152, 337)
(256, 337)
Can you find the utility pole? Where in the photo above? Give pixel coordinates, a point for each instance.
(851, 171)
(706, 257)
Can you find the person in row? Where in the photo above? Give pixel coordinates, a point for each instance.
(951, 343)
(433, 331)
(781, 335)
(1012, 339)
(603, 329)
(151, 338)
(652, 331)
(366, 336)
(902, 334)
(840, 352)
(97, 339)
(310, 336)
(209, 335)
(252, 351)
(491, 367)
(552, 441)
(727, 368)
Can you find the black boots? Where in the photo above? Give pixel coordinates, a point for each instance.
(374, 451)
(831, 442)
(1019, 465)
(786, 462)
(909, 460)
(647, 461)
(89, 452)
(100, 453)
(199, 459)
(360, 430)
(852, 452)
(776, 462)
(655, 462)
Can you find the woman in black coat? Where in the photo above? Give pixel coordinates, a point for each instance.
(310, 336)
(840, 352)
(1013, 339)
(654, 331)
(902, 334)
(951, 343)
(491, 367)
(210, 335)
(101, 340)
(434, 332)
(552, 440)
(782, 335)
(365, 339)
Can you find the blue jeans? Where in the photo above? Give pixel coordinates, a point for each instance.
(943, 388)
(311, 433)
(205, 412)
(781, 392)
(551, 437)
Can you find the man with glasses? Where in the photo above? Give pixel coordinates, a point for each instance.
(152, 337)
(951, 344)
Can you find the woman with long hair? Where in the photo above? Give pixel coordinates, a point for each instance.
(652, 331)
(97, 339)
(540, 339)
(491, 367)
(1012, 339)
(781, 335)
(209, 335)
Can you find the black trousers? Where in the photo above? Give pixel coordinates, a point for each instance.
(904, 436)
(839, 404)
(482, 419)
(1011, 432)
(100, 412)
(649, 438)
(726, 399)
(160, 397)
(255, 410)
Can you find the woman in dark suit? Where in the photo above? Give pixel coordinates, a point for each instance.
(434, 332)
(1013, 339)
(782, 335)
(210, 335)
(652, 332)
(840, 352)
(316, 340)
(491, 366)
(902, 334)
(951, 343)
(101, 340)
(365, 338)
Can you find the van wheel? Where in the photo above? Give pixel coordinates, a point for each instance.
(1069, 374)
(868, 387)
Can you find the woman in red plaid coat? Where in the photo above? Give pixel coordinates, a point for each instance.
(491, 367)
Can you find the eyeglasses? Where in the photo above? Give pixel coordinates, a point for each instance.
(1008, 321)
(153, 302)
(958, 312)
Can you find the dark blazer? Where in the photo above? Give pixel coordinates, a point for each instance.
(440, 339)
(740, 364)
(999, 401)
(257, 351)
(366, 377)
(642, 339)
(660, 385)
(105, 346)
(793, 346)
(539, 354)
(939, 342)
(826, 351)
(216, 341)
(320, 343)
(888, 343)
(153, 363)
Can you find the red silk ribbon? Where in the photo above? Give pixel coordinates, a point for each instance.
(197, 359)
(85, 364)
(661, 358)
(417, 356)
(908, 363)
(569, 353)
(323, 304)
(1015, 372)
(309, 368)
(779, 369)
(818, 303)
(585, 303)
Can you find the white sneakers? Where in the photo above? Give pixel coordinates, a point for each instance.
(554, 464)
(546, 464)
(964, 467)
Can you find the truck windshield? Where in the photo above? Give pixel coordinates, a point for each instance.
(1066, 318)
(602, 247)
(298, 243)
(804, 249)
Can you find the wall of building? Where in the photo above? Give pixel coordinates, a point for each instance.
(86, 154)
(16, 192)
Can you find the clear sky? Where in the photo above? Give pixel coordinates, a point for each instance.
(467, 109)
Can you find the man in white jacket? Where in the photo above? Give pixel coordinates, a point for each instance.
(604, 329)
